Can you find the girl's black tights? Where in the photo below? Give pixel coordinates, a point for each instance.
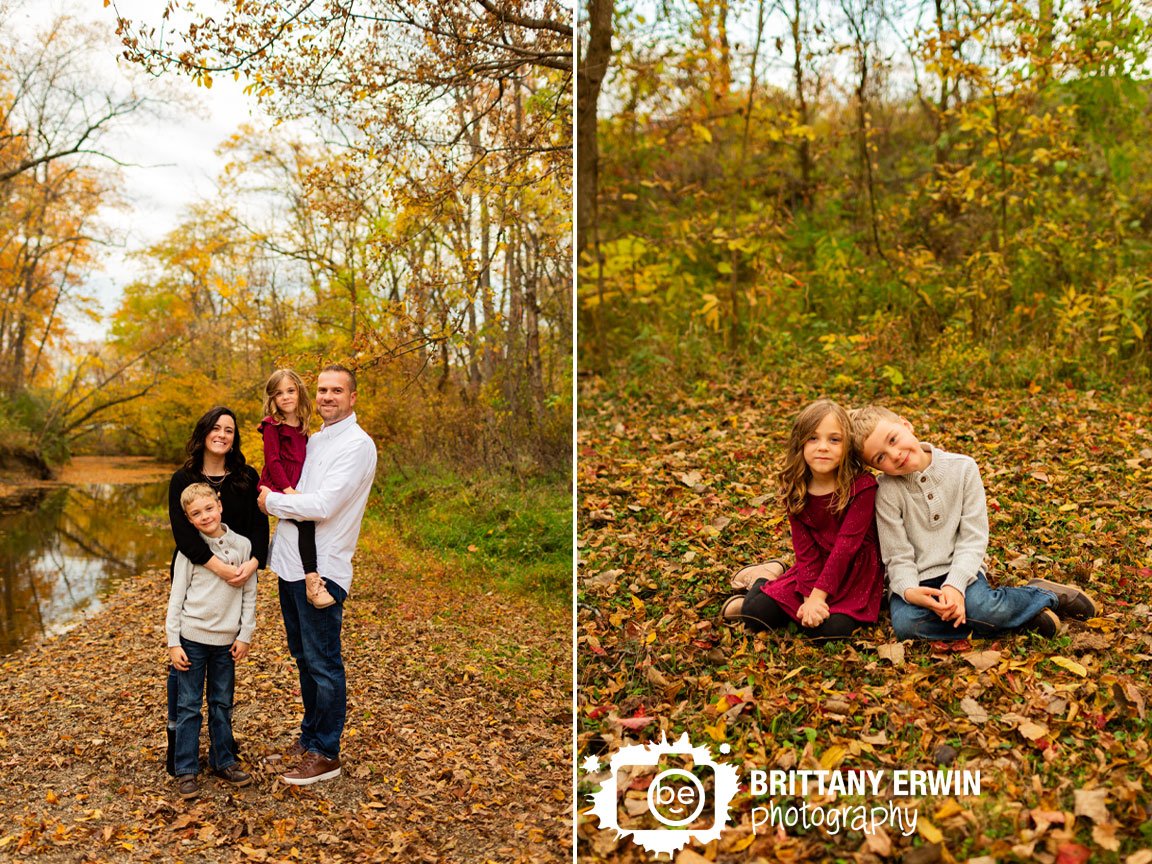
(761, 612)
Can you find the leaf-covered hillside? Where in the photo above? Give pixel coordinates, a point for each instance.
(676, 494)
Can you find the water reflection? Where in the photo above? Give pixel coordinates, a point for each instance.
(58, 559)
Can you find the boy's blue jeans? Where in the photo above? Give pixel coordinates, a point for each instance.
(211, 664)
(314, 642)
(989, 612)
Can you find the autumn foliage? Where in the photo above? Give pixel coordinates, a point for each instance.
(966, 187)
(406, 216)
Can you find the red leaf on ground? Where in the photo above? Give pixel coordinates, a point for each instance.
(954, 647)
(635, 723)
(641, 782)
(1072, 853)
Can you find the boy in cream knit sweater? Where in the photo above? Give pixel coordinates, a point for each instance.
(933, 525)
(209, 627)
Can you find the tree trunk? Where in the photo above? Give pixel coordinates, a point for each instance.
(593, 66)
(804, 150)
(940, 151)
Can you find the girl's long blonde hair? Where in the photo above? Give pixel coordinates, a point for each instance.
(795, 475)
(303, 403)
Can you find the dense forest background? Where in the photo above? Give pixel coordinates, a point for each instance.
(943, 206)
(409, 218)
(958, 194)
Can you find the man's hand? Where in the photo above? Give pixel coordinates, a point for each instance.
(243, 573)
(239, 650)
(955, 600)
(262, 499)
(179, 659)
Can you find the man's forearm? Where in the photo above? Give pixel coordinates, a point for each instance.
(311, 506)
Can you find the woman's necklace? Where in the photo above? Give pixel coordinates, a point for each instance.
(215, 483)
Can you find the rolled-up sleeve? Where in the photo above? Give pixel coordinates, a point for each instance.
(971, 533)
(338, 487)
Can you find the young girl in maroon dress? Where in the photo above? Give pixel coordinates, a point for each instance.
(837, 580)
(285, 431)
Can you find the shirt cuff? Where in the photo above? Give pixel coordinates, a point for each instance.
(270, 503)
(899, 584)
(959, 582)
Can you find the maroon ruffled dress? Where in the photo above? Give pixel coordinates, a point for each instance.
(837, 554)
(284, 450)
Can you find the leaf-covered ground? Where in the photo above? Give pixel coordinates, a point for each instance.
(675, 496)
(457, 746)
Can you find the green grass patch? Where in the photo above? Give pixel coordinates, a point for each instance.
(513, 535)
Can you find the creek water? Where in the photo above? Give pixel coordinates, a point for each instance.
(63, 554)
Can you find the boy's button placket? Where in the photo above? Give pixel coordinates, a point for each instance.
(932, 505)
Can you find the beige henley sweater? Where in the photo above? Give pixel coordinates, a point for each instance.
(203, 607)
(933, 522)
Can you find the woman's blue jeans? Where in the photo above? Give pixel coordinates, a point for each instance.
(212, 665)
(314, 642)
(989, 612)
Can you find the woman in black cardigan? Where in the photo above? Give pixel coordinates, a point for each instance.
(215, 458)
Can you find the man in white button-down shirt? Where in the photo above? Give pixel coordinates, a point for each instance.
(333, 491)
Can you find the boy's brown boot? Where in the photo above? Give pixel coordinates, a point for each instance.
(234, 774)
(187, 787)
(318, 595)
(1073, 603)
(1046, 623)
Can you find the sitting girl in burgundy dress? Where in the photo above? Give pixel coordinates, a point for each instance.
(837, 581)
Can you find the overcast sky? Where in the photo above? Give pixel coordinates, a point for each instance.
(173, 160)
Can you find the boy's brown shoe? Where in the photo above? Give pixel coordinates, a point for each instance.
(1046, 623)
(312, 769)
(187, 786)
(232, 774)
(1073, 603)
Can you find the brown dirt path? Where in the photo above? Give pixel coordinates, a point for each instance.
(457, 746)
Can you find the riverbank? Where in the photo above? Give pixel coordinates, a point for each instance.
(25, 478)
(456, 749)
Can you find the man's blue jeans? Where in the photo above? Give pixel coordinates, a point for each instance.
(211, 664)
(989, 612)
(314, 642)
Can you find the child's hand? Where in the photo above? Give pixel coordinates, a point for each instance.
(955, 600)
(813, 612)
(239, 650)
(290, 490)
(929, 598)
(179, 659)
